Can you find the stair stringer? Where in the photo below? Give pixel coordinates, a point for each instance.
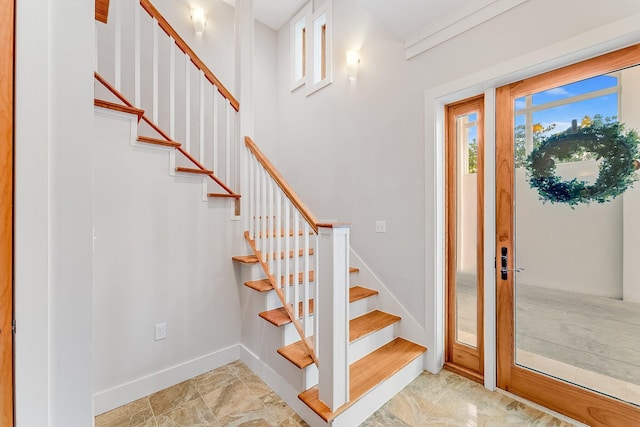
(409, 327)
(171, 152)
(103, 91)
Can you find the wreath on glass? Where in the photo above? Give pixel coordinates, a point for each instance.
(616, 149)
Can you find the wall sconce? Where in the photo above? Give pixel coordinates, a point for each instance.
(199, 19)
(353, 60)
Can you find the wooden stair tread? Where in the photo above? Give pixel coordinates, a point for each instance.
(279, 316)
(156, 141)
(297, 354)
(264, 285)
(233, 196)
(369, 323)
(118, 107)
(366, 373)
(245, 259)
(194, 170)
(354, 269)
(253, 259)
(357, 293)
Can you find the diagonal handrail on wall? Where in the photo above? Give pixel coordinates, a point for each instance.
(177, 146)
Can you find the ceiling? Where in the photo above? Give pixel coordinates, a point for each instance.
(274, 13)
(421, 24)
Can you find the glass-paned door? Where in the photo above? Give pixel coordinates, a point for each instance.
(568, 239)
(464, 218)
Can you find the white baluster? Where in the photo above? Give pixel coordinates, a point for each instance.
(136, 56)
(201, 139)
(228, 112)
(187, 103)
(272, 229)
(256, 199)
(156, 28)
(258, 191)
(215, 129)
(316, 284)
(118, 44)
(296, 263)
(287, 248)
(250, 196)
(263, 216)
(278, 226)
(172, 88)
(307, 271)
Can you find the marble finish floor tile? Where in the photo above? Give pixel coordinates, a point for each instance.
(232, 395)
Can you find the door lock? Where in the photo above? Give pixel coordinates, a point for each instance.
(504, 258)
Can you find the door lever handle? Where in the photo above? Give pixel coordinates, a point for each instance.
(503, 264)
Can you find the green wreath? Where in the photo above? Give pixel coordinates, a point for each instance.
(607, 142)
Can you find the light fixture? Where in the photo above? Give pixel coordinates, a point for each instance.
(199, 19)
(353, 60)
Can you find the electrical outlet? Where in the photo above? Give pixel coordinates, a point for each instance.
(381, 227)
(161, 331)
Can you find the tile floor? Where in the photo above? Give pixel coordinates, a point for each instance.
(232, 395)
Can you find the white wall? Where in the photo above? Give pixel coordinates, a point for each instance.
(162, 255)
(53, 213)
(265, 93)
(356, 151)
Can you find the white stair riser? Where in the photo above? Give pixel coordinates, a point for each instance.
(250, 272)
(365, 345)
(273, 301)
(289, 333)
(360, 307)
(310, 376)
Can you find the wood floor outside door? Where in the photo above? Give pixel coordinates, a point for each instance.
(6, 210)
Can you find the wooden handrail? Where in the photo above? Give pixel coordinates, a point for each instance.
(184, 47)
(282, 183)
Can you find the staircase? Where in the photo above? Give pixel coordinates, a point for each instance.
(305, 326)
(380, 362)
(292, 282)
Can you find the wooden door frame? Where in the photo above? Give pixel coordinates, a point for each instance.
(460, 358)
(6, 211)
(576, 402)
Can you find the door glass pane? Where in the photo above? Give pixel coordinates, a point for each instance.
(577, 237)
(466, 233)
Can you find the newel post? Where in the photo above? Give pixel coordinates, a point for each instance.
(333, 313)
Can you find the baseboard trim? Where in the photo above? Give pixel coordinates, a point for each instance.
(114, 397)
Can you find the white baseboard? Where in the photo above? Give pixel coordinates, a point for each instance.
(114, 397)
